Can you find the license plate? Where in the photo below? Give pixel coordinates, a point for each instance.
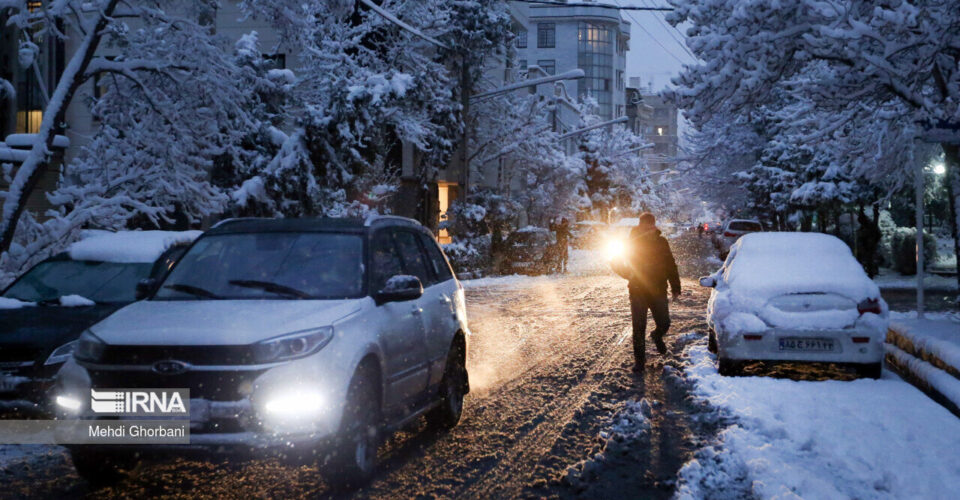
(523, 264)
(806, 344)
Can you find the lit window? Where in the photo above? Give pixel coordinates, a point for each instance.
(28, 122)
(659, 130)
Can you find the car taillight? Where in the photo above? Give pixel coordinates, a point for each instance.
(752, 337)
(869, 306)
(728, 233)
(860, 340)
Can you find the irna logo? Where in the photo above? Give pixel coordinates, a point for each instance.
(138, 402)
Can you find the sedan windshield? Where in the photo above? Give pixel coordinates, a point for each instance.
(97, 281)
(269, 266)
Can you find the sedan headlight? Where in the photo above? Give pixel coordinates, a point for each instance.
(61, 354)
(89, 347)
(292, 345)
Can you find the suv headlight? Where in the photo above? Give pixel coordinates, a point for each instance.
(89, 347)
(61, 354)
(292, 345)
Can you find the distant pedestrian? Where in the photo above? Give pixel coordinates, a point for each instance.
(700, 230)
(868, 240)
(648, 266)
(563, 233)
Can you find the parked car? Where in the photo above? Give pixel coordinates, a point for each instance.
(531, 250)
(795, 297)
(588, 234)
(306, 334)
(44, 311)
(732, 230)
(712, 227)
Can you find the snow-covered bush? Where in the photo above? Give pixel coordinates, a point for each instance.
(903, 248)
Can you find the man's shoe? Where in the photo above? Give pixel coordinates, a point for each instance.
(658, 341)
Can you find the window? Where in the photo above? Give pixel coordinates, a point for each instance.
(546, 35)
(523, 64)
(595, 58)
(413, 258)
(384, 260)
(659, 130)
(522, 39)
(441, 269)
(549, 66)
(619, 110)
(620, 80)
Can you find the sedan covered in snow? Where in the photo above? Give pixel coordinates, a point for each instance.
(795, 297)
(44, 311)
(531, 250)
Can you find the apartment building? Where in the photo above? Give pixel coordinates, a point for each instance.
(595, 38)
(656, 119)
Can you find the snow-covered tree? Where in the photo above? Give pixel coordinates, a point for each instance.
(850, 59)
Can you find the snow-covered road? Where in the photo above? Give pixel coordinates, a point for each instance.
(556, 412)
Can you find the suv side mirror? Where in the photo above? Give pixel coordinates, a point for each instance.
(708, 281)
(400, 288)
(145, 287)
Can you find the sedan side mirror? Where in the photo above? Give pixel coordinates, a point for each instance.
(400, 288)
(145, 287)
(708, 281)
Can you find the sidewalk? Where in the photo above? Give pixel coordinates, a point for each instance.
(890, 280)
(927, 353)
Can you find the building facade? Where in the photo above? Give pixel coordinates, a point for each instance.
(656, 119)
(558, 38)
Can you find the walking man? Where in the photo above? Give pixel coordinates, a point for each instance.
(563, 233)
(648, 265)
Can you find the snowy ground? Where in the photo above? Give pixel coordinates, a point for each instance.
(819, 439)
(888, 279)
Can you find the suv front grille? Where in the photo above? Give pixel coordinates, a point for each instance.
(213, 385)
(194, 355)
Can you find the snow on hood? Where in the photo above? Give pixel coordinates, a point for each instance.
(772, 264)
(9, 303)
(217, 322)
(76, 301)
(128, 246)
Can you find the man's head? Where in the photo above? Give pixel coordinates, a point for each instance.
(647, 221)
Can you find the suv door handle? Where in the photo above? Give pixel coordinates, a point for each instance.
(417, 310)
(444, 299)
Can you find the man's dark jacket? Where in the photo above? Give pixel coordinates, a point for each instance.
(649, 264)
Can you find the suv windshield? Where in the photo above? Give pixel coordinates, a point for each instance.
(742, 225)
(269, 266)
(97, 281)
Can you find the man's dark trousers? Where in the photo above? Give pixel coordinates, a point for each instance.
(657, 304)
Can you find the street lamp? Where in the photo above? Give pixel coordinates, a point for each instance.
(939, 169)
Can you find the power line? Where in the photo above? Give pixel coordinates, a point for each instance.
(655, 40)
(662, 20)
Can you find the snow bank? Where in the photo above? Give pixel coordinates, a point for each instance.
(937, 335)
(127, 246)
(792, 439)
(947, 385)
(890, 280)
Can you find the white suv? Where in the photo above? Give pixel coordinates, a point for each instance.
(306, 334)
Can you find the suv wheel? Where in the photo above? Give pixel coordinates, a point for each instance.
(452, 391)
(101, 468)
(356, 454)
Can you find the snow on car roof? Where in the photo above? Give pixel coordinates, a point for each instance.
(127, 246)
(771, 264)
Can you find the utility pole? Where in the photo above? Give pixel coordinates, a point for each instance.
(918, 191)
